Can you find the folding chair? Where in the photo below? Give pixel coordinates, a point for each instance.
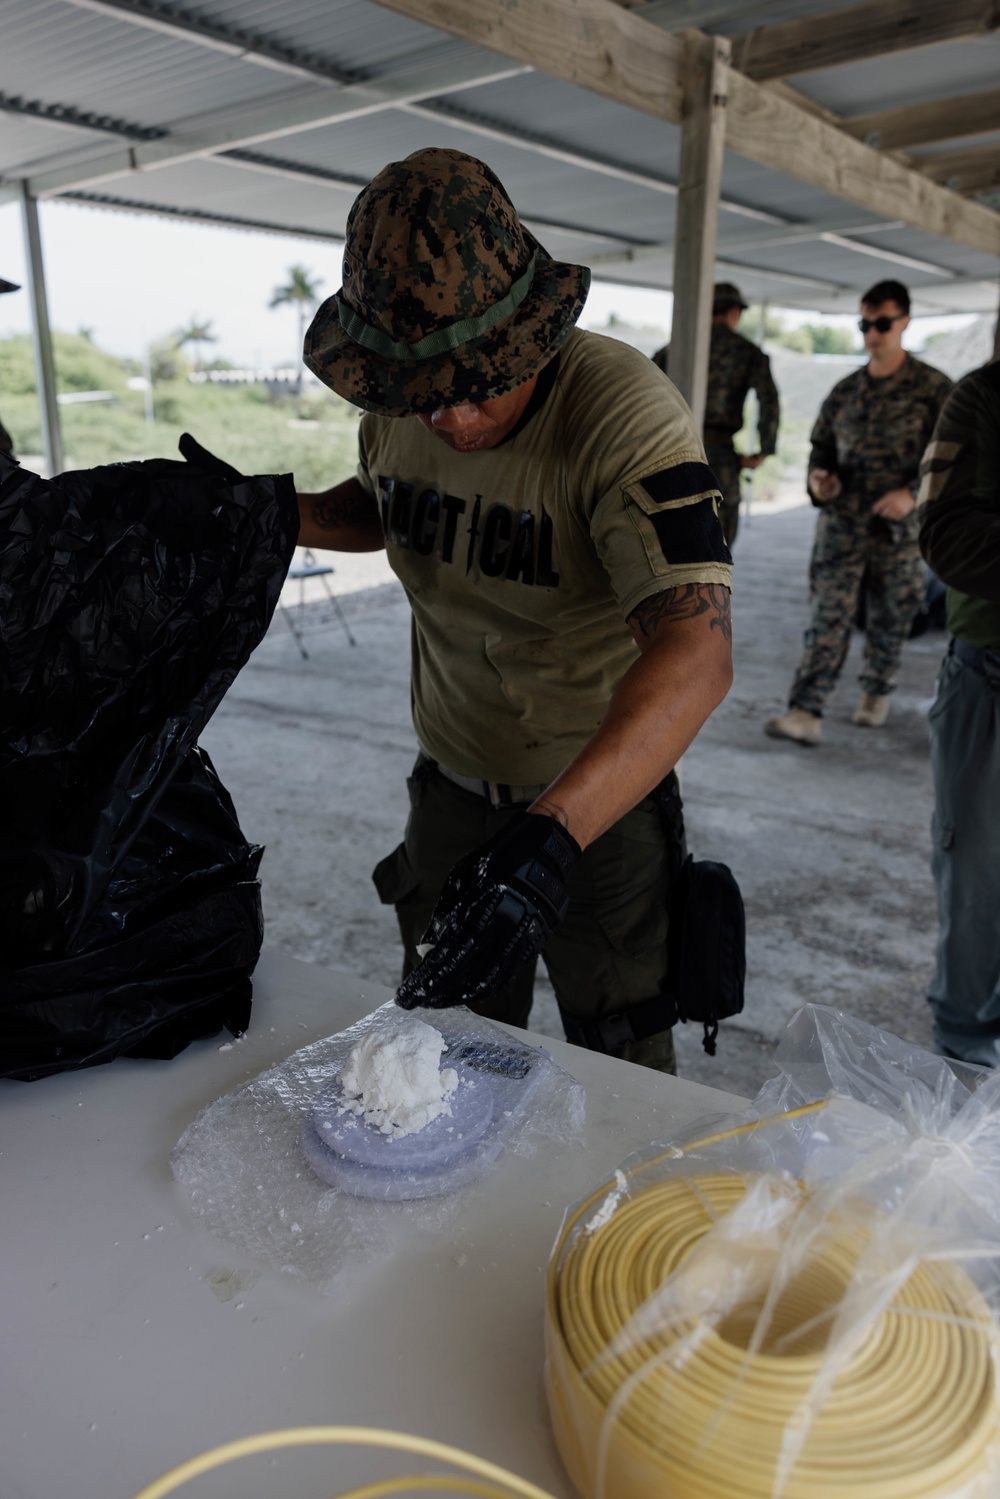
(295, 615)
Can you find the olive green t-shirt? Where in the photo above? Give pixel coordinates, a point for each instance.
(522, 562)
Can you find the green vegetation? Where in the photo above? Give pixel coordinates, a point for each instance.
(313, 434)
(300, 291)
(808, 338)
(197, 333)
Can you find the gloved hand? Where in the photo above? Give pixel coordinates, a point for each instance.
(496, 910)
(192, 452)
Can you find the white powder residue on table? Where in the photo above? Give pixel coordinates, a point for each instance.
(393, 1080)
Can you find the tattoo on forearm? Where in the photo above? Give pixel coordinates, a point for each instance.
(331, 511)
(551, 809)
(686, 602)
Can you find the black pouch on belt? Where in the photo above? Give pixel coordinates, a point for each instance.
(707, 937)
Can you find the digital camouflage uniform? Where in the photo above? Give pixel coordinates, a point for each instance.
(735, 366)
(872, 433)
(959, 515)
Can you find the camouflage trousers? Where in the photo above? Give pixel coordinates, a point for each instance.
(725, 465)
(610, 951)
(847, 548)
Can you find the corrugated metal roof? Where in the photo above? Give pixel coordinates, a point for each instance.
(361, 37)
(55, 52)
(25, 141)
(923, 75)
(593, 175)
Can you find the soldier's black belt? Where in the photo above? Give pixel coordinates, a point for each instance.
(497, 793)
(635, 1024)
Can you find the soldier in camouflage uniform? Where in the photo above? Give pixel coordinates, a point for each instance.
(544, 499)
(863, 473)
(735, 367)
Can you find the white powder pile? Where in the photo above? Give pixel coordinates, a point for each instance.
(393, 1080)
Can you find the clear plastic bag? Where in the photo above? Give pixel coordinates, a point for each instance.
(245, 1160)
(797, 1304)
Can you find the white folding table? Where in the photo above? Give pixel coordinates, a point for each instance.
(131, 1339)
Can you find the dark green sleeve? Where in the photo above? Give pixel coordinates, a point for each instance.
(767, 403)
(959, 502)
(941, 389)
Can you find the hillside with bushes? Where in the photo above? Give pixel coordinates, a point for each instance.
(313, 435)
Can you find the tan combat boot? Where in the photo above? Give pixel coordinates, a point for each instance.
(872, 711)
(796, 724)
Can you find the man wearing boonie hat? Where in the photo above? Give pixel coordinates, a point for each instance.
(736, 366)
(543, 496)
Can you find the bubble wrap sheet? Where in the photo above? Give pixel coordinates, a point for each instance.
(244, 1166)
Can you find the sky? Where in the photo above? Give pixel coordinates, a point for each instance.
(132, 279)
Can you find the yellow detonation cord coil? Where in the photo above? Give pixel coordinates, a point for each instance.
(914, 1413)
(493, 1482)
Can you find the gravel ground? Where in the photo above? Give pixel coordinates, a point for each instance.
(830, 845)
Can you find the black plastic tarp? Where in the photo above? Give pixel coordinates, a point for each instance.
(130, 597)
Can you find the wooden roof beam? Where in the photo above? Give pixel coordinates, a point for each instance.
(597, 45)
(770, 130)
(922, 124)
(858, 33)
(972, 171)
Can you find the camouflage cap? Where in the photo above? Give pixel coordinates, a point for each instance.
(446, 298)
(725, 294)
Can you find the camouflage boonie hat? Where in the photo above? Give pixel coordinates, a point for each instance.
(446, 298)
(725, 295)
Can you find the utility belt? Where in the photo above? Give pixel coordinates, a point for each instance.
(499, 794)
(983, 659)
(636, 1024)
(706, 948)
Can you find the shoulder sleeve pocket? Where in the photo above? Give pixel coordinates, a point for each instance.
(680, 504)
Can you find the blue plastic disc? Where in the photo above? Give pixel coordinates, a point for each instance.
(445, 1139)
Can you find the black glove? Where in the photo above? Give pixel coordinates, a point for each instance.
(193, 452)
(496, 910)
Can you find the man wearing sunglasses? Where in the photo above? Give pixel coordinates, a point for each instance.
(863, 475)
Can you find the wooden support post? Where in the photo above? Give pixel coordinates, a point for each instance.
(703, 135)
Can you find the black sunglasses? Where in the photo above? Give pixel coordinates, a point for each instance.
(880, 324)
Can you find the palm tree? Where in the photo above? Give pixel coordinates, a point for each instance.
(197, 332)
(302, 290)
